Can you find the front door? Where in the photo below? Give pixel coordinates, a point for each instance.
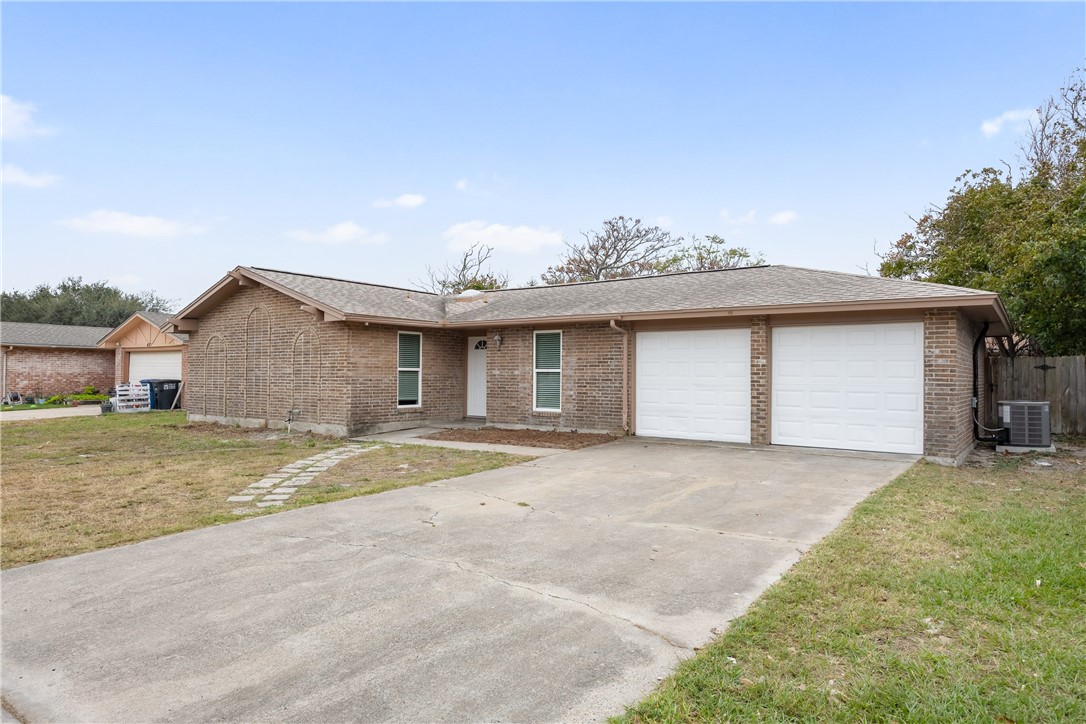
(476, 376)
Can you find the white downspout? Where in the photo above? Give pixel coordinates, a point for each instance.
(625, 375)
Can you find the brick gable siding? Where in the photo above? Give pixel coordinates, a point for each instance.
(257, 357)
(44, 372)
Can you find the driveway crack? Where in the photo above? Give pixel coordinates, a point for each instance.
(496, 579)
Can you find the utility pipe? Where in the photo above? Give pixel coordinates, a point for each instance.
(976, 394)
(625, 375)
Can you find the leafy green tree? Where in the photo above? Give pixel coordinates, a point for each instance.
(1024, 238)
(74, 302)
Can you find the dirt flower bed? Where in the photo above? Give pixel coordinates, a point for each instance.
(527, 438)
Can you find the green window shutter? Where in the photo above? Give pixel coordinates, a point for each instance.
(548, 351)
(408, 387)
(548, 371)
(548, 390)
(410, 351)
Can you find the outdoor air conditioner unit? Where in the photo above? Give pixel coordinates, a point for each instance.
(1027, 423)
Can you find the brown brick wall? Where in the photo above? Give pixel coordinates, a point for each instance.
(257, 356)
(759, 381)
(44, 372)
(374, 351)
(591, 378)
(948, 383)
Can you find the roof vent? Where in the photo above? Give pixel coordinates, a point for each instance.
(470, 294)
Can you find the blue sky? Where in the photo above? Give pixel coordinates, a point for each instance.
(160, 145)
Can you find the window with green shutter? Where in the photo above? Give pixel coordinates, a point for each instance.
(548, 371)
(409, 370)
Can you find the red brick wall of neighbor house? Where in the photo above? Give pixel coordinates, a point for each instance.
(44, 372)
(948, 383)
(374, 353)
(591, 378)
(257, 356)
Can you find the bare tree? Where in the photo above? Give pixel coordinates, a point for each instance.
(1052, 149)
(711, 253)
(623, 248)
(470, 271)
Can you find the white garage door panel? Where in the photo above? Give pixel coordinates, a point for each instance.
(853, 387)
(154, 365)
(694, 385)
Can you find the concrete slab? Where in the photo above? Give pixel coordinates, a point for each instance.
(79, 411)
(414, 437)
(560, 589)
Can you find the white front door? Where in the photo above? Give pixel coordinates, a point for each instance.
(694, 385)
(476, 376)
(849, 386)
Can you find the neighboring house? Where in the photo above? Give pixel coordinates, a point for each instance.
(144, 350)
(42, 360)
(758, 355)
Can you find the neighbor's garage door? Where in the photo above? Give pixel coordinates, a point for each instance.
(694, 385)
(154, 365)
(854, 387)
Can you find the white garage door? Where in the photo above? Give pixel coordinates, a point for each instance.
(694, 385)
(853, 387)
(154, 365)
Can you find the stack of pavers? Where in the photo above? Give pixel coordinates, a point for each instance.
(277, 487)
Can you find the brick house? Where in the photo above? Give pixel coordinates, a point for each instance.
(42, 360)
(759, 355)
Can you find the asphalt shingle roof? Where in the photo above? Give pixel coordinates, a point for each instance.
(360, 298)
(764, 286)
(30, 334)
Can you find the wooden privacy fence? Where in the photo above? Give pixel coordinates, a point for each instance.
(1059, 380)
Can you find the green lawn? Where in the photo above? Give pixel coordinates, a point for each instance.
(949, 595)
(77, 484)
(43, 406)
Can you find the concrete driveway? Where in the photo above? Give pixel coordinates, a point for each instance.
(556, 590)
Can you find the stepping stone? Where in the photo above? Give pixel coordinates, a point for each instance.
(264, 484)
(240, 498)
(288, 491)
(276, 497)
(269, 503)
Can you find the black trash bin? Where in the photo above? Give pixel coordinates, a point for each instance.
(163, 392)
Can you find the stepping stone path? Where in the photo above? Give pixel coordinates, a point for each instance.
(275, 488)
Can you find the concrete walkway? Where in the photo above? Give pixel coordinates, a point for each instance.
(78, 411)
(414, 437)
(557, 590)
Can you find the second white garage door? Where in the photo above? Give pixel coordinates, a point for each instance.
(694, 385)
(154, 365)
(853, 387)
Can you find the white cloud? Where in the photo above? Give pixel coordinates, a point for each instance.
(461, 185)
(17, 120)
(16, 176)
(518, 239)
(104, 221)
(783, 217)
(346, 232)
(747, 218)
(1017, 119)
(665, 222)
(405, 201)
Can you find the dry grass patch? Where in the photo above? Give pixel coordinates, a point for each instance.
(949, 595)
(72, 485)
